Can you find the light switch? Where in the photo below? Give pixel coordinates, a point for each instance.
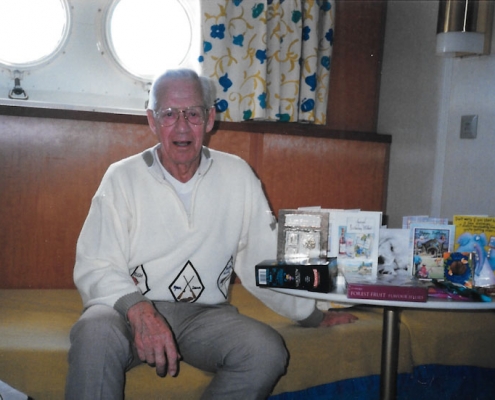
(469, 126)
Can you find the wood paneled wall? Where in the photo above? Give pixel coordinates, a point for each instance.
(50, 170)
(313, 171)
(51, 167)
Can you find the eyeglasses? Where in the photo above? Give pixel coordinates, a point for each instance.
(196, 115)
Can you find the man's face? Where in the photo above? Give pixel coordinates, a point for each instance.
(182, 141)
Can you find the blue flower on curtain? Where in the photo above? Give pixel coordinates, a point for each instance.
(247, 115)
(270, 59)
(311, 81)
(218, 31)
(325, 62)
(305, 33)
(238, 40)
(307, 105)
(207, 46)
(296, 16)
(329, 36)
(258, 10)
(261, 55)
(221, 105)
(225, 82)
(262, 99)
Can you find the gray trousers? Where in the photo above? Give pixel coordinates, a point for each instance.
(247, 356)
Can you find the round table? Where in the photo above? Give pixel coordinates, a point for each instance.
(391, 320)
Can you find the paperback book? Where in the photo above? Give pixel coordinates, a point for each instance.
(477, 234)
(386, 287)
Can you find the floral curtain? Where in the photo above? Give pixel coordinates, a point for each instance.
(270, 59)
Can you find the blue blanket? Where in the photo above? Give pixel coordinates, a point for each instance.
(427, 382)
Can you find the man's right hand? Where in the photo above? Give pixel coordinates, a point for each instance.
(154, 339)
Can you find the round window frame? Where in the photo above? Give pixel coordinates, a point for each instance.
(56, 52)
(106, 46)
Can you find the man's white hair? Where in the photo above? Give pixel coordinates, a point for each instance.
(160, 83)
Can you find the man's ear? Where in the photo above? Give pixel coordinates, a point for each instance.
(211, 119)
(151, 121)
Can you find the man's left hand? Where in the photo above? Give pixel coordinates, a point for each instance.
(331, 318)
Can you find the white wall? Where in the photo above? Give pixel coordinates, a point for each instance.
(422, 98)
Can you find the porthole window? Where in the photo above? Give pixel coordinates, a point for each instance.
(32, 32)
(146, 37)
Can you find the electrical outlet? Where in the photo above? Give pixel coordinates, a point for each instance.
(469, 126)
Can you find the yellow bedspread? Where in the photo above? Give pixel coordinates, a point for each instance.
(35, 325)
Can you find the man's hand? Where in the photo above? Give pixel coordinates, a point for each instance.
(332, 318)
(154, 339)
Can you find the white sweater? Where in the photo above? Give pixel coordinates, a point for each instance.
(138, 242)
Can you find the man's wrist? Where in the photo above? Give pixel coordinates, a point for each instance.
(127, 301)
(313, 320)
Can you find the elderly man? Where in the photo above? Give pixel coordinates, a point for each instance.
(165, 231)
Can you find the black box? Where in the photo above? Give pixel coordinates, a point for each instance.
(314, 275)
